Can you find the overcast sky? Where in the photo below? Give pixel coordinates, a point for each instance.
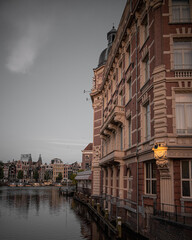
(48, 49)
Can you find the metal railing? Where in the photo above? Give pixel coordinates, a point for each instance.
(174, 213)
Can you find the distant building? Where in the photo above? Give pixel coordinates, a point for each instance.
(46, 171)
(84, 182)
(6, 171)
(26, 158)
(12, 172)
(56, 160)
(40, 162)
(59, 167)
(73, 168)
(87, 155)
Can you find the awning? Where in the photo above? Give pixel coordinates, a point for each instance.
(83, 177)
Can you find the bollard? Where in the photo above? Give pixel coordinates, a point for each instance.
(93, 203)
(89, 200)
(106, 214)
(98, 207)
(119, 230)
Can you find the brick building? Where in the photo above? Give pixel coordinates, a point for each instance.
(59, 167)
(87, 154)
(142, 102)
(84, 182)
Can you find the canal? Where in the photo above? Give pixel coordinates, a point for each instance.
(41, 213)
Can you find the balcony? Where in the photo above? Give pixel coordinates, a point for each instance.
(183, 74)
(117, 115)
(112, 158)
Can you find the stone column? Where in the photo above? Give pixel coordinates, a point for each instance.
(114, 181)
(165, 167)
(121, 174)
(109, 181)
(104, 180)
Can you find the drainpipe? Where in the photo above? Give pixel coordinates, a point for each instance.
(136, 62)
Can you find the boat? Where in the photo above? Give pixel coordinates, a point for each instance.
(20, 185)
(36, 184)
(58, 185)
(13, 184)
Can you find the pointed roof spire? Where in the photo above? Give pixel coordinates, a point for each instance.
(40, 159)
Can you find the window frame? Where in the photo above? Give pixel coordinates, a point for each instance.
(128, 55)
(185, 179)
(151, 179)
(146, 68)
(147, 121)
(183, 131)
(129, 89)
(121, 100)
(129, 132)
(181, 5)
(129, 181)
(121, 138)
(144, 30)
(182, 50)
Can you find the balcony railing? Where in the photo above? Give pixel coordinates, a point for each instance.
(184, 131)
(183, 74)
(115, 155)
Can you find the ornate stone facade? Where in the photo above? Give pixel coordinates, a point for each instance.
(141, 89)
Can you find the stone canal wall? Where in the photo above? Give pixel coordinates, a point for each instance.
(159, 228)
(113, 228)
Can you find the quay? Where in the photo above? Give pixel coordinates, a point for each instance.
(65, 191)
(111, 228)
(102, 220)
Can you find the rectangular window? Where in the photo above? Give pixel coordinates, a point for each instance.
(129, 132)
(129, 89)
(87, 165)
(115, 140)
(150, 178)
(182, 54)
(121, 71)
(180, 11)
(121, 98)
(106, 147)
(147, 122)
(129, 55)
(184, 113)
(121, 139)
(186, 178)
(130, 179)
(146, 68)
(145, 29)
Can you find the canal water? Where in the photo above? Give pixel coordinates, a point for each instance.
(41, 213)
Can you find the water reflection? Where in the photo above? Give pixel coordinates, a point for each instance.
(40, 213)
(23, 199)
(89, 228)
(36, 213)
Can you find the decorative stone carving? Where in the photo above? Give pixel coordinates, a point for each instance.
(160, 154)
(103, 137)
(112, 126)
(155, 3)
(97, 101)
(107, 132)
(119, 118)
